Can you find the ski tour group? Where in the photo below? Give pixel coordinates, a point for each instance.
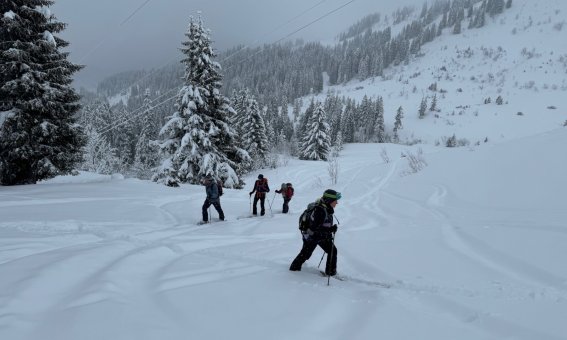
(315, 223)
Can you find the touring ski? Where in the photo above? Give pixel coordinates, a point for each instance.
(357, 280)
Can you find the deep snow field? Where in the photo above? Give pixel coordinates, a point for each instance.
(473, 247)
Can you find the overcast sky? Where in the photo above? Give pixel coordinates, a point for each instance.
(109, 36)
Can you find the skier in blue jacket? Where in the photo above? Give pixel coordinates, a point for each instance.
(214, 191)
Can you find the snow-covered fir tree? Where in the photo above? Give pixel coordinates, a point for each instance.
(433, 106)
(39, 137)
(99, 155)
(338, 144)
(379, 127)
(457, 28)
(398, 123)
(451, 141)
(348, 122)
(239, 103)
(367, 118)
(271, 136)
(422, 108)
(282, 144)
(305, 119)
(254, 137)
(333, 106)
(125, 139)
(146, 157)
(317, 142)
(198, 139)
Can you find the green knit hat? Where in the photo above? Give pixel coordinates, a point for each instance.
(331, 195)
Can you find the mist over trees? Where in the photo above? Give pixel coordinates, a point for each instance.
(132, 115)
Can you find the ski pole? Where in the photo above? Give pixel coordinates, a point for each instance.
(273, 198)
(332, 247)
(331, 258)
(322, 256)
(336, 219)
(270, 206)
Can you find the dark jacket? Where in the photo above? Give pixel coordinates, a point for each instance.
(322, 219)
(260, 189)
(212, 190)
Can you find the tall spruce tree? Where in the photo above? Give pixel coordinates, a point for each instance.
(317, 142)
(146, 157)
(348, 125)
(99, 155)
(239, 103)
(398, 123)
(379, 127)
(39, 136)
(422, 108)
(198, 139)
(254, 137)
(433, 106)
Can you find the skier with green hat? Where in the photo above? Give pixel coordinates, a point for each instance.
(320, 232)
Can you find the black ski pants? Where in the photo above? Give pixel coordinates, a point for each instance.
(216, 204)
(285, 208)
(309, 245)
(262, 199)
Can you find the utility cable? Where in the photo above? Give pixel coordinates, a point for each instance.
(113, 126)
(105, 38)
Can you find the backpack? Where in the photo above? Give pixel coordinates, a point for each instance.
(262, 185)
(219, 187)
(208, 182)
(305, 217)
(289, 191)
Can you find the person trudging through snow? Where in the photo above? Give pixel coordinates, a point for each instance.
(287, 192)
(261, 188)
(213, 189)
(318, 230)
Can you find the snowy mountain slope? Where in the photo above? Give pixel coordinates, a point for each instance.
(520, 55)
(473, 246)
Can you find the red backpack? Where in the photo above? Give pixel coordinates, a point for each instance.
(262, 185)
(289, 191)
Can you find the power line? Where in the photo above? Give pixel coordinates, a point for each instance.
(111, 127)
(275, 29)
(314, 21)
(105, 38)
(298, 30)
(134, 13)
(231, 55)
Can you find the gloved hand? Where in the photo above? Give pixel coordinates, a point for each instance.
(250, 194)
(333, 228)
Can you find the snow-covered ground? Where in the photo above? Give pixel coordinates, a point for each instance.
(473, 247)
(520, 55)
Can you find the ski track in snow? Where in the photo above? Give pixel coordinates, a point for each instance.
(370, 200)
(442, 300)
(99, 282)
(483, 254)
(140, 267)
